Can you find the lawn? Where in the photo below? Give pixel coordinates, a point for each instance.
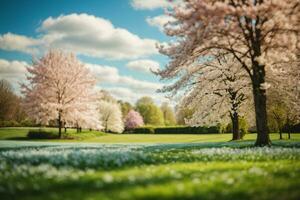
(188, 167)
(98, 137)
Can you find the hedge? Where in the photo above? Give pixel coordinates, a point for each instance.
(142, 130)
(175, 130)
(186, 130)
(12, 123)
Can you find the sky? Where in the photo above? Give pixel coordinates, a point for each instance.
(115, 39)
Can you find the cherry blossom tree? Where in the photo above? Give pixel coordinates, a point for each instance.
(133, 120)
(60, 87)
(111, 116)
(284, 96)
(257, 33)
(219, 93)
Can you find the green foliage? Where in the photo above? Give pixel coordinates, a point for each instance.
(10, 104)
(277, 113)
(52, 133)
(186, 130)
(175, 130)
(182, 114)
(10, 123)
(125, 108)
(27, 123)
(243, 126)
(151, 114)
(168, 113)
(144, 130)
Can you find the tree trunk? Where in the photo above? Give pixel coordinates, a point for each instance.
(289, 129)
(261, 117)
(280, 134)
(260, 104)
(235, 127)
(59, 124)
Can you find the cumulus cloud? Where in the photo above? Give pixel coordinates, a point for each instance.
(108, 74)
(149, 4)
(84, 34)
(12, 68)
(129, 95)
(14, 42)
(159, 21)
(143, 65)
(94, 36)
(122, 87)
(13, 71)
(153, 4)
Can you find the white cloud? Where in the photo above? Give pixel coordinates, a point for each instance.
(12, 67)
(122, 87)
(108, 74)
(94, 36)
(153, 4)
(13, 42)
(149, 4)
(143, 65)
(129, 95)
(84, 34)
(159, 21)
(13, 71)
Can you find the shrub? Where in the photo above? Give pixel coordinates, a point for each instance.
(143, 130)
(9, 124)
(41, 134)
(175, 130)
(186, 130)
(243, 127)
(27, 123)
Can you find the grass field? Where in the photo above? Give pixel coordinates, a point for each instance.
(184, 167)
(87, 136)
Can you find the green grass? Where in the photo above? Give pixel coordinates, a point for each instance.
(98, 137)
(150, 171)
(95, 165)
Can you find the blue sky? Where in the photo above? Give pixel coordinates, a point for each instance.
(115, 38)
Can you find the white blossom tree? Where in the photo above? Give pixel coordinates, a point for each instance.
(257, 33)
(285, 94)
(61, 88)
(111, 116)
(218, 94)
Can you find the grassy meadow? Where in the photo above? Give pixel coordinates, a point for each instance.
(95, 165)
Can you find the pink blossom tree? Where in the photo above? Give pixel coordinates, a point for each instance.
(133, 120)
(257, 33)
(60, 87)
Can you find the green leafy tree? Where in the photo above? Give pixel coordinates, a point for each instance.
(125, 108)
(168, 113)
(151, 114)
(183, 113)
(243, 127)
(11, 108)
